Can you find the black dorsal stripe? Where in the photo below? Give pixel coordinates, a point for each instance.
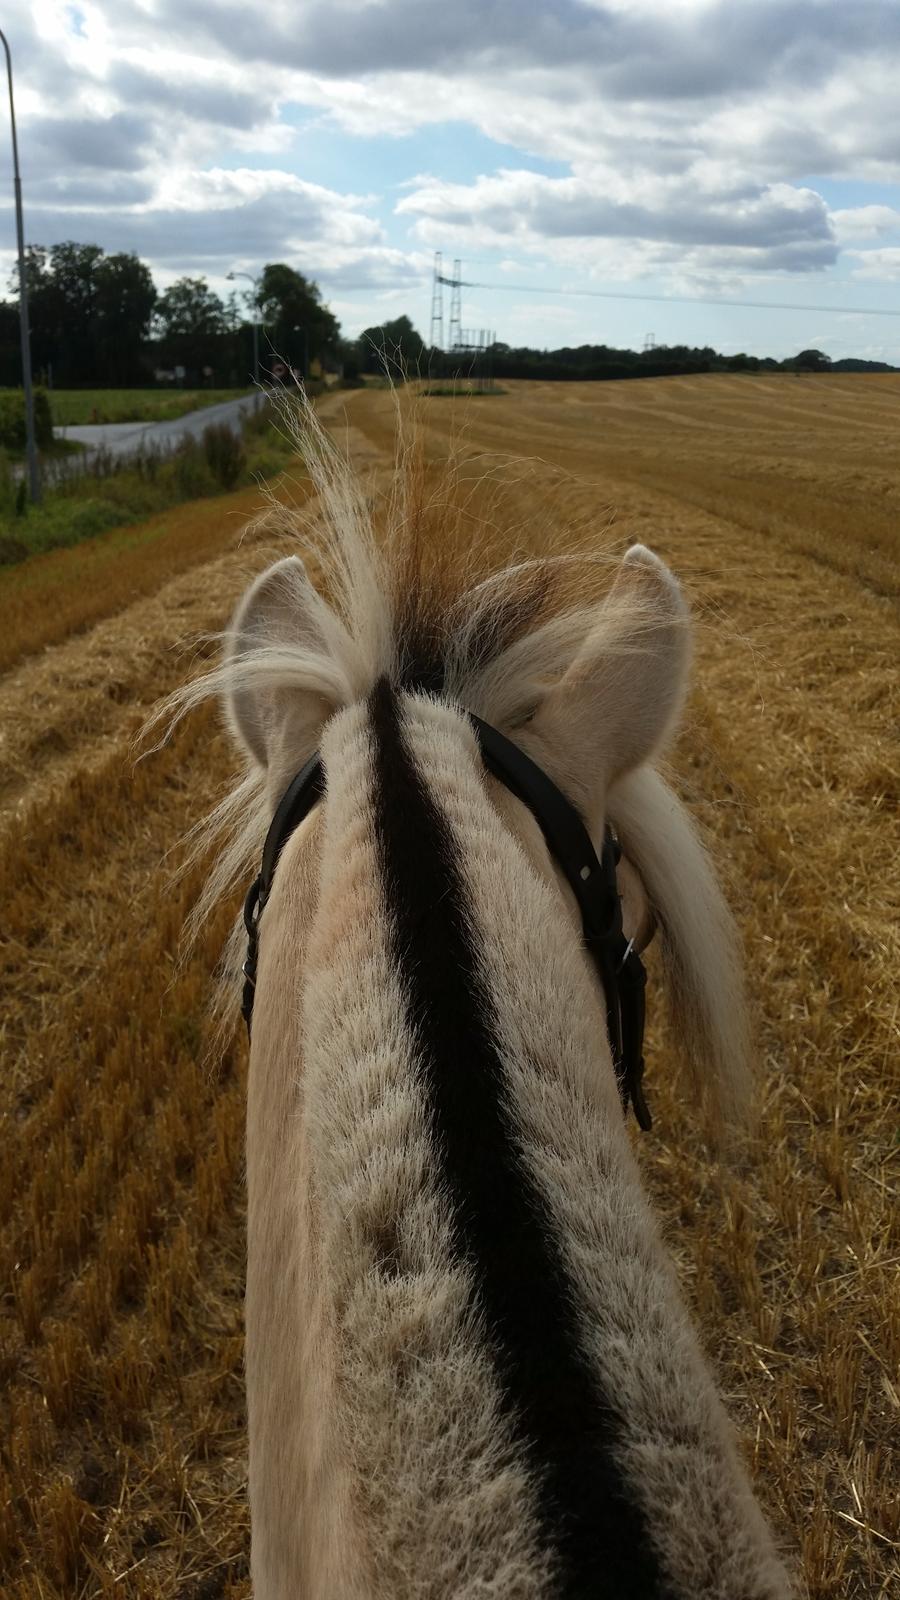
(567, 1427)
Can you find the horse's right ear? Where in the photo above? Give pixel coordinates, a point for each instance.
(282, 678)
(619, 700)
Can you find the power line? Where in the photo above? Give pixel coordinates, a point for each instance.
(686, 299)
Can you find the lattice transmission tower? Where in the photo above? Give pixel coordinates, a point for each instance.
(456, 306)
(437, 304)
(455, 285)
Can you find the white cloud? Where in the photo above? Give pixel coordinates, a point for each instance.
(773, 226)
(881, 265)
(865, 222)
(209, 219)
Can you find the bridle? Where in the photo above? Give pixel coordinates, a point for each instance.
(592, 881)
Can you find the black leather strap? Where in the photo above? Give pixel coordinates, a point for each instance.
(593, 881)
(594, 885)
(303, 792)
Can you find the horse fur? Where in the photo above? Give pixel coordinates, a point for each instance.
(384, 1458)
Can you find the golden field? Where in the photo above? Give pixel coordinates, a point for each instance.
(776, 499)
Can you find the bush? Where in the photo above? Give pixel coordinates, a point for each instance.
(192, 475)
(90, 517)
(258, 422)
(224, 453)
(12, 419)
(8, 488)
(59, 522)
(267, 464)
(12, 550)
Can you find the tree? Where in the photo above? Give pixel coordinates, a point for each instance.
(10, 345)
(37, 280)
(300, 328)
(89, 313)
(233, 311)
(811, 361)
(124, 297)
(190, 321)
(35, 272)
(71, 295)
(61, 291)
(190, 309)
(392, 344)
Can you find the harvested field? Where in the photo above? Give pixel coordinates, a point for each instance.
(777, 501)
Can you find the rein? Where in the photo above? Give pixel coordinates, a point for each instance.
(592, 881)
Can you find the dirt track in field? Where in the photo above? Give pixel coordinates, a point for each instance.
(777, 502)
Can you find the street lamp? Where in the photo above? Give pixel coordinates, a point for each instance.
(34, 483)
(230, 276)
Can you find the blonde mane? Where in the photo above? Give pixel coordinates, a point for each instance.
(405, 586)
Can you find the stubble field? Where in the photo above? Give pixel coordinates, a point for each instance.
(777, 501)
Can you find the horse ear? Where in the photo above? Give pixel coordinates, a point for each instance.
(619, 700)
(280, 676)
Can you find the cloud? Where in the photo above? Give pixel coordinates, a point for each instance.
(100, 194)
(188, 97)
(120, 143)
(883, 265)
(210, 219)
(776, 226)
(653, 51)
(865, 222)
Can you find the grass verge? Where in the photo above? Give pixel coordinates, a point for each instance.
(112, 492)
(72, 407)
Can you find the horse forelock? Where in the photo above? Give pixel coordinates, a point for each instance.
(411, 603)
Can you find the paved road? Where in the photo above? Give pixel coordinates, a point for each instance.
(123, 438)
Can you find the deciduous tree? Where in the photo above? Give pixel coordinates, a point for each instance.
(299, 327)
(394, 344)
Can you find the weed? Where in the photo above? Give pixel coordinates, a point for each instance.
(225, 455)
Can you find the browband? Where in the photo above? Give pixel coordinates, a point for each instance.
(592, 881)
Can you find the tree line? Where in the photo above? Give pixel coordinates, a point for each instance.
(99, 321)
(598, 361)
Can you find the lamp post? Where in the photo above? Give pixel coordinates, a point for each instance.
(34, 483)
(230, 276)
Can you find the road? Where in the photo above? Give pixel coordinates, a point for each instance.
(124, 438)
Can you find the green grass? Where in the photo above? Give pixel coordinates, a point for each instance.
(54, 452)
(74, 406)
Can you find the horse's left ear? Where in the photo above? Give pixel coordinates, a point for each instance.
(620, 699)
(282, 677)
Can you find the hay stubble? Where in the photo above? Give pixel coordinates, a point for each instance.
(122, 1466)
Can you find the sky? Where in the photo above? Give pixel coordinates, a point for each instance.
(607, 171)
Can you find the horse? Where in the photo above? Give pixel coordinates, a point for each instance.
(469, 1368)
